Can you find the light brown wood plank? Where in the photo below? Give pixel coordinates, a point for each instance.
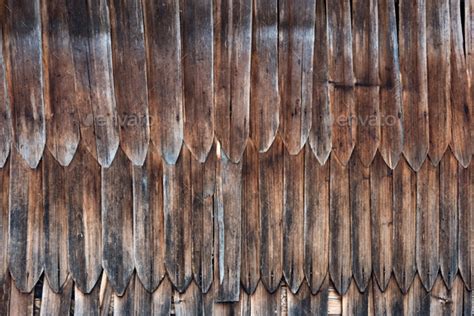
(4, 222)
(125, 305)
(21, 303)
(390, 301)
(355, 302)
(162, 298)
(86, 304)
(265, 304)
(56, 303)
(417, 301)
(142, 299)
(5, 115)
(189, 302)
(465, 209)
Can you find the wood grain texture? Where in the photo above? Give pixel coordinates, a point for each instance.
(125, 304)
(417, 301)
(413, 68)
(341, 77)
(53, 303)
(197, 20)
(5, 293)
(316, 221)
(62, 119)
(189, 302)
(381, 203)
(265, 304)
(360, 213)
(356, 302)
(391, 131)
(148, 221)
(232, 54)
(271, 215)
(340, 257)
(265, 97)
(404, 225)
(5, 115)
(427, 224)
(165, 93)
(320, 135)
(21, 303)
(26, 237)
(117, 222)
(55, 220)
(465, 209)
(438, 51)
(4, 223)
(296, 26)
(129, 70)
(390, 301)
(87, 304)
(25, 77)
(365, 40)
(83, 203)
(177, 202)
(448, 218)
(162, 298)
(250, 217)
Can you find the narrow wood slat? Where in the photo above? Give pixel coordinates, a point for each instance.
(5, 115)
(148, 221)
(232, 54)
(449, 302)
(469, 36)
(5, 293)
(142, 299)
(4, 223)
(250, 263)
(457, 298)
(320, 135)
(189, 302)
(265, 304)
(57, 303)
(265, 100)
(165, 93)
(82, 185)
(366, 73)
(62, 119)
(413, 68)
(316, 221)
(21, 303)
(152, 303)
(162, 298)
(360, 213)
(55, 222)
(177, 203)
(304, 303)
(25, 244)
(117, 222)
(271, 215)
(197, 21)
(404, 225)
(340, 259)
(106, 295)
(390, 301)
(427, 224)
(341, 77)
(125, 305)
(440, 297)
(465, 209)
(355, 302)
(129, 69)
(439, 80)
(417, 301)
(25, 77)
(87, 304)
(241, 307)
(448, 218)
(391, 131)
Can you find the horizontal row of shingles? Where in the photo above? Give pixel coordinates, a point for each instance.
(113, 72)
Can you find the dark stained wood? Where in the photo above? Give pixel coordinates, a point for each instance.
(125, 304)
(25, 244)
(300, 303)
(162, 298)
(56, 303)
(148, 221)
(4, 224)
(5, 292)
(340, 259)
(360, 213)
(469, 41)
(189, 302)
(320, 135)
(356, 302)
(413, 68)
(316, 221)
(439, 304)
(404, 225)
(232, 54)
(82, 185)
(25, 77)
(439, 80)
(165, 93)
(417, 301)
(62, 119)
(117, 222)
(391, 131)
(5, 116)
(197, 22)
(320, 301)
(86, 304)
(457, 297)
(465, 209)
(177, 203)
(271, 215)
(55, 219)
(250, 263)
(427, 224)
(142, 299)
(448, 218)
(265, 100)
(265, 304)
(21, 303)
(390, 301)
(129, 69)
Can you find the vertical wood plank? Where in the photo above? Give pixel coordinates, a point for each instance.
(162, 298)
(189, 302)
(86, 304)
(355, 302)
(465, 209)
(4, 223)
(265, 304)
(417, 301)
(125, 305)
(5, 293)
(56, 303)
(440, 298)
(5, 115)
(21, 303)
(389, 301)
(142, 299)
(300, 303)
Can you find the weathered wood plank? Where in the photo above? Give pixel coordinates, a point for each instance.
(125, 305)
(5, 293)
(300, 303)
(417, 301)
(457, 297)
(56, 304)
(404, 225)
(142, 299)
(189, 302)
(82, 187)
(21, 303)
(390, 301)
(87, 304)
(427, 224)
(413, 68)
(177, 203)
(320, 300)
(439, 80)
(391, 134)
(355, 302)
(25, 77)
(465, 209)
(105, 295)
(25, 243)
(197, 21)
(117, 222)
(265, 100)
(129, 69)
(340, 257)
(148, 221)
(4, 223)
(271, 215)
(232, 54)
(5, 115)
(316, 221)
(162, 298)
(264, 303)
(439, 304)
